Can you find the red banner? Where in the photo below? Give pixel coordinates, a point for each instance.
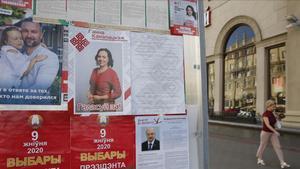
(18, 3)
(34, 140)
(183, 30)
(102, 142)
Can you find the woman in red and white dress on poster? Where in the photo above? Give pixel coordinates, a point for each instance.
(190, 19)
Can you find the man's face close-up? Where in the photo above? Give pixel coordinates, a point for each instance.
(150, 135)
(31, 34)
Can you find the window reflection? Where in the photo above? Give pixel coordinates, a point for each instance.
(240, 73)
(277, 76)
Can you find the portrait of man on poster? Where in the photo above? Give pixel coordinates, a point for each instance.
(152, 143)
(31, 59)
(43, 74)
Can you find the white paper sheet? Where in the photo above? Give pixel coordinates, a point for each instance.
(108, 12)
(81, 10)
(53, 9)
(133, 13)
(157, 14)
(157, 74)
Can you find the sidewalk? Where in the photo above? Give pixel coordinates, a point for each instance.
(232, 147)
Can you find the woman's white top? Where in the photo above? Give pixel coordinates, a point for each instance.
(189, 21)
(12, 67)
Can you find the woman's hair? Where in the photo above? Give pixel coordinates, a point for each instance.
(4, 37)
(269, 103)
(110, 59)
(193, 14)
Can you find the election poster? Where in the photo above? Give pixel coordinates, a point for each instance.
(157, 74)
(100, 71)
(183, 17)
(31, 56)
(34, 140)
(102, 142)
(162, 142)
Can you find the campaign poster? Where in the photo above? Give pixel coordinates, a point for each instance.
(102, 142)
(31, 57)
(183, 17)
(100, 71)
(162, 142)
(34, 140)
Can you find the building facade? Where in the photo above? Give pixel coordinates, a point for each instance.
(252, 56)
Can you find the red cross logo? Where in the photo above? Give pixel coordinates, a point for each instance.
(79, 41)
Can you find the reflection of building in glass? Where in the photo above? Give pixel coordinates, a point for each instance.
(239, 72)
(277, 75)
(254, 59)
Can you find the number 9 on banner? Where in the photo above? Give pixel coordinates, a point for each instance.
(102, 133)
(34, 135)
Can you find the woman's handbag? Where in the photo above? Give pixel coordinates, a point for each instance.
(278, 124)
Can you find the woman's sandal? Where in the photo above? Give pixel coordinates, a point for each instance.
(260, 162)
(284, 165)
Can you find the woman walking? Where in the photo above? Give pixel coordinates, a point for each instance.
(269, 132)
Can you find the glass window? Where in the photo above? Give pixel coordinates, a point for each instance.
(240, 66)
(241, 36)
(277, 76)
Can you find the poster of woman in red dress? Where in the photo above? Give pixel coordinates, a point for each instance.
(100, 82)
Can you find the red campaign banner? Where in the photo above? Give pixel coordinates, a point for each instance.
(34, 140)
(102, 142)
(18, 3)
(183, 30)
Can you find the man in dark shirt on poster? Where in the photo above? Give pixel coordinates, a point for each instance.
(151, 143)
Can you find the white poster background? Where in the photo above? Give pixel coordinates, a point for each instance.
(133, 13)
(157, 74)
(157, 14)
(172, 133)
(82, 63)
(54, 9)
(152, 14)
(81, 10)
(108, 12)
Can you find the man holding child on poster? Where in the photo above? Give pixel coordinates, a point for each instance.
(30, 71)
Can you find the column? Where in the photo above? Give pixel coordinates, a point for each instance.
(218, 104)
(292, 70)
(261, 79)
